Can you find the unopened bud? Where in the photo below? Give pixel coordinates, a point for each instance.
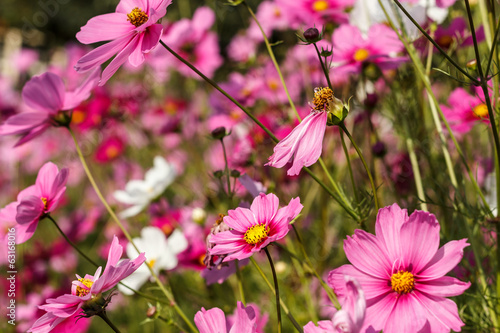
(218, 174)
(151, 312)
(371, 100)
(378, 149)
(219, 133)
(235, 173)
(312, 35)
(472, 64)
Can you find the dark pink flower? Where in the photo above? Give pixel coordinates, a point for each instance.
(245, 320)
(132, 31)
(253, 229)
(46, 95)
(402, 272)
(39, 199)
(87, 290)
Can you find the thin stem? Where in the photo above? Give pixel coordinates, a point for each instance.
(226, 170)
(276, 287)
(110, 324)
(346, 152)
(457, 66)
(493, 47)
(240, 282)
(73, 245)
(125, 232)
(283, 305)
(325, 70)
(273, 58)
(416, 169)
(374, 189)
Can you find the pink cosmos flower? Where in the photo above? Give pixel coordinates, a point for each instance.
(350, 318)
(402, 272)
(86, 291)
(303, 145)
(132, 31)
(37, 200)
(253, 229)
(465, 110)
(316, 12)
(45, 94)
(213, 320)
(351, 50)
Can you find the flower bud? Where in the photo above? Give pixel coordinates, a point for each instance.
(472, 64)
(379, 149)
(151, 312)
(219, 133)
(312, 35)
(218, 174)
(371, 101)
(235, 173)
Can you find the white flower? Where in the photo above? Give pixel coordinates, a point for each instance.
(161, 253)
(140, 193)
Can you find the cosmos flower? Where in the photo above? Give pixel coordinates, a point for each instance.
(140, 193)
(402, 272)
(86, 292)
(255, 228)
(46, 95)
(160, 251)
(36, 200)
(132, 31)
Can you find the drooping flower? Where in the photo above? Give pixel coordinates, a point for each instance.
(255, 228)
(86, 292)
(304, 144)
(402, 270)
(246, 320)
(350, 318)
(132, 31)
(160, 251)
(140, 193)
(46, 95)
(37, 200)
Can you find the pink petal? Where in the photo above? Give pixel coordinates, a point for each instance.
(29, 210)
(32, 134)
(136, 57)
(45, 178)
(23, 122)
(203, 19)
(442, 313)
(264, 207)
(44, 93)
(366, 253)
(280, 225)
(445, 259)
(75, 98)
(240, 219)
(210, 321)
(120, 58)
(45, 323)
(244, 320)
(420, 236)
(387, 228)
(408, 316)
(104, 27)
(126, 6)
(445, 286)
(324, 326)
(378, 311)
(25, 231)
(151, 38)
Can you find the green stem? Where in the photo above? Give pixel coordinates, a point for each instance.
(276, 287)
(73, 245)
(273, 58)
(125, 232)
(110, 324)
(325, 70)
(374, 189)
(341, 133)
(240, 282)
(226, 170)
(283, 305)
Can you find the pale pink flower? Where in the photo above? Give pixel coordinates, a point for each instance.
(45, 94)
(245, 320)
(132, 31)
(402, 272)
(37, 200)
(303, 145)
(253, 229)
(87, 290)
(350, 318)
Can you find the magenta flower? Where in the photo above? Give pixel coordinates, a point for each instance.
(402, 272)
(132, 31)
(37, 200)
(213, 320)
(46, 95)
(350, 318)
(253, 229)
(86, 292)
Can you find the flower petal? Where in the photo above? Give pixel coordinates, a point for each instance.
(44, 93)
(104, 27)
(264, 207)
(445, 259)
(210, 321)
(240, 219)
(387, 228)
(445, 286)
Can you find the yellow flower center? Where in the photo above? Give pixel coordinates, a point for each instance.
(80, 291)
(273, 84)
(78, 117)
(445, 41)
(256, 233)
(137, 17)
(322, 98)
(361, 55)
(112, 152)
(44, 200)
(480, 111)
(151, 263)
(320, 5)
(402, 282)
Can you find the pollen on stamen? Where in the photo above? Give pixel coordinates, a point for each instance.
(44, 200)
(81, 291)
(137, 17)
(256, 234)
(402, 282)
(322, 99)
